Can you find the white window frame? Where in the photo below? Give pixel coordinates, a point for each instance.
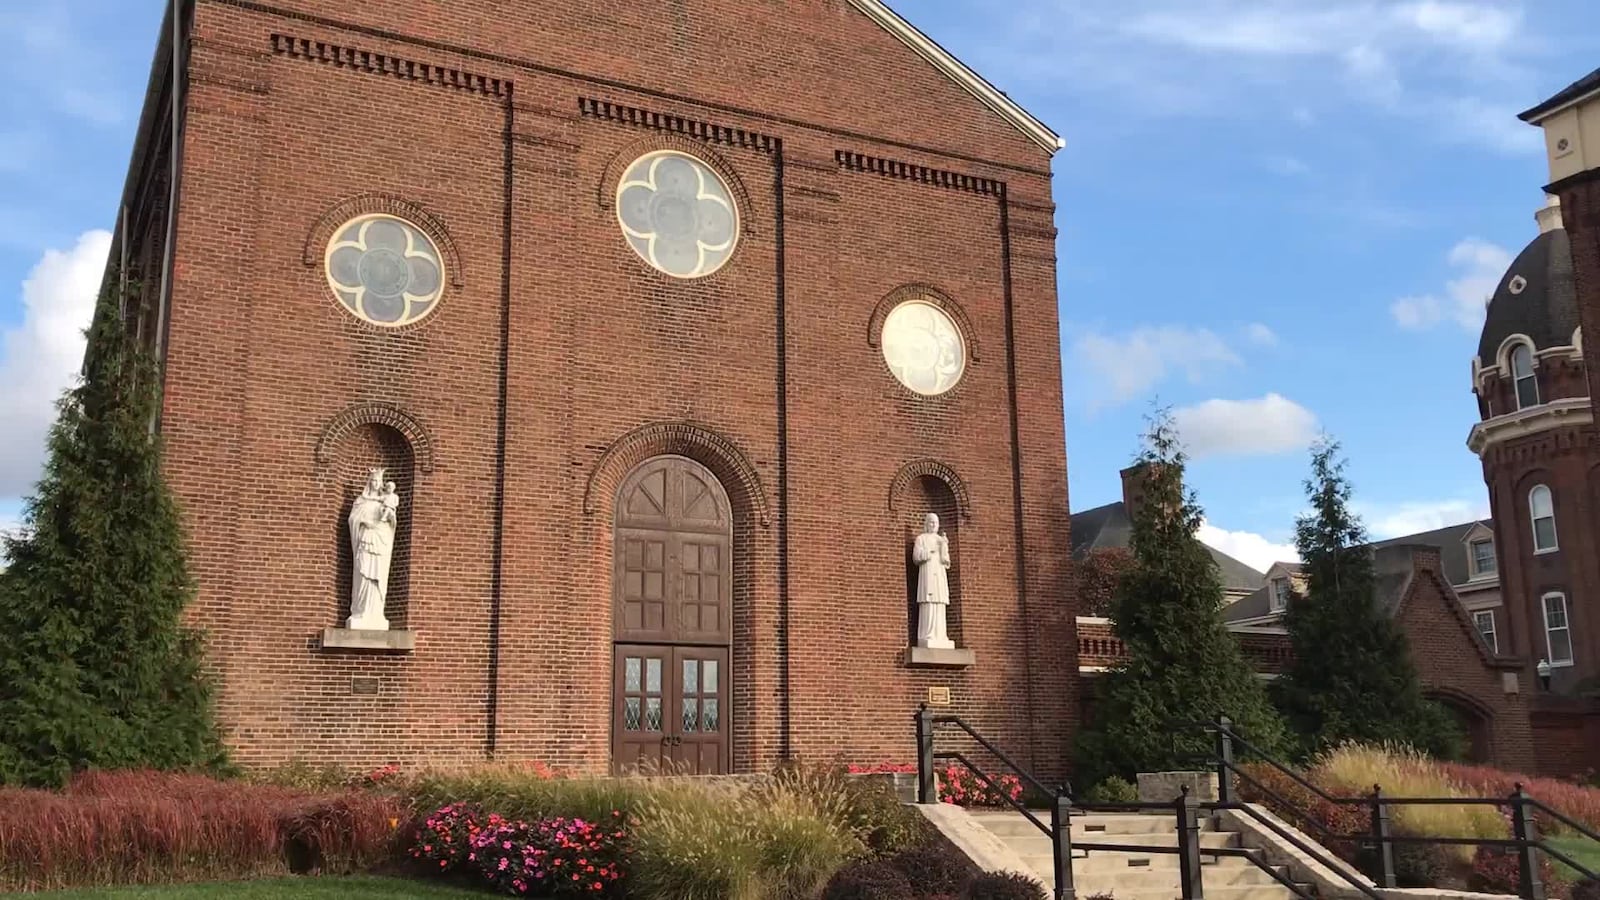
(1278, 602)
(1523, 352)
(1534, 517)
(1472, 556)
(1566, 616)
(1492, 635)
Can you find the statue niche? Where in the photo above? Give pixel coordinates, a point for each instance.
(933, 572)
(375, 470)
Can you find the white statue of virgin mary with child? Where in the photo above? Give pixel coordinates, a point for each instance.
(373, 519)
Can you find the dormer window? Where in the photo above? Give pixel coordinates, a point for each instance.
(1483, 560)
(1280, 594)
(1522, 373)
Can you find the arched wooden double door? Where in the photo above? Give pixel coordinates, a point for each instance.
(672, 611)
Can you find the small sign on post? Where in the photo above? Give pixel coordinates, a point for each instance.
(938, 696)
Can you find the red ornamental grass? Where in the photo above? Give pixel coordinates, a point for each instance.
(1576, 801)
(145, 827)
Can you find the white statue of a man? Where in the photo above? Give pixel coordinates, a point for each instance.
(931, 553)
(373, 518)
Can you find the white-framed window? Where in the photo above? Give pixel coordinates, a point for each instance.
(1484, 619)
(1542, 505)
(1522, 373)
(1557, 629)
(1280, 592)
(1483, 560)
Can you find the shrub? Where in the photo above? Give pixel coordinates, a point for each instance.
(963, 787)
(869, 810)
(935, 869)
(442, 842)
(530, 791)
(1113, 790)
(1003, 886)
(1351, 770)
(1496, 870)
(1415, 865)
(876, 880)
(801, 846)
(1578, 802)
(303, 776)
(550, 857)
(1587, 889)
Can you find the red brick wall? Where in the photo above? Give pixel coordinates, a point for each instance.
(594, 355)
(1457, 669)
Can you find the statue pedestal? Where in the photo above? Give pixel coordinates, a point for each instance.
(365, 639)
(938, 658)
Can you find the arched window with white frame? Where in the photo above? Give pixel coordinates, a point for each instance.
(1522, 373)
(1541, 504)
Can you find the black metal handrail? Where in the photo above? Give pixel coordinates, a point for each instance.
(1062, 807)
(1525, 839)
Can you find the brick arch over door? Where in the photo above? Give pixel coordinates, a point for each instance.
(1476, 720)
(704, 446)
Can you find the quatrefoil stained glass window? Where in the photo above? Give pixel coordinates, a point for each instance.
(677, 214)
(923, 347)
(385, 270)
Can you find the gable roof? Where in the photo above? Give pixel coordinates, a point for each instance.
(1572, 93)
(960, 73)
(1390, 581)
(1109, 527)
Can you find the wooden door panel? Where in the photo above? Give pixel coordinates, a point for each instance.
(700, 746)
(640, 723)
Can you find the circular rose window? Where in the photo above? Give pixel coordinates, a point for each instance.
(923, 347)
(677, 214)
(385, 270)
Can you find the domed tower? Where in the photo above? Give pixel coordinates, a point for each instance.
(1541, 463)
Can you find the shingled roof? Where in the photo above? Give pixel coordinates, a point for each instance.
(1110, 527)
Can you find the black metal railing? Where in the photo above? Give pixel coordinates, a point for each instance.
(1525, 840)
(1186, 809)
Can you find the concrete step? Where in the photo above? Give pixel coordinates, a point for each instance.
(1208, 840)
(1091, 883)
(1007, 823)
(1276, 892)
(1111, 864)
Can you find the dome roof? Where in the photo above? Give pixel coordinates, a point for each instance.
(1536, 296)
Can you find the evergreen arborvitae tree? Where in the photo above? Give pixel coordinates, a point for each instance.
(96, 667)
(1352, 678)
(1183, 664)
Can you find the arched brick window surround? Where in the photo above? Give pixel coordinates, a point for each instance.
(370, 204)
(927, 294)
(415, 433)
(627, 156)
(704, 446)
(917, 468)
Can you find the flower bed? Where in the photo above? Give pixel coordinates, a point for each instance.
(958, 785)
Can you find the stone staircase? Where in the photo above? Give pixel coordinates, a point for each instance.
(1130, 875)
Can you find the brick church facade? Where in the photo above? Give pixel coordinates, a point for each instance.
(668, 321)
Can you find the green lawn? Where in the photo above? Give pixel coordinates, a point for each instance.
(1580, 849)
(279, 889)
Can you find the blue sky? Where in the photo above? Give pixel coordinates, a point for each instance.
(1276, 216)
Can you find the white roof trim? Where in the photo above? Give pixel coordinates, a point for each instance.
(1570, 411)
(961, 74)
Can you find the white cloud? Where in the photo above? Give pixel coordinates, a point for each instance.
(1264, 426)
(1391, 520)
(1424, 62)
(40, 356)
(1128, 366)
(1479, 265)
(1261, 335)
(1248, 547)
